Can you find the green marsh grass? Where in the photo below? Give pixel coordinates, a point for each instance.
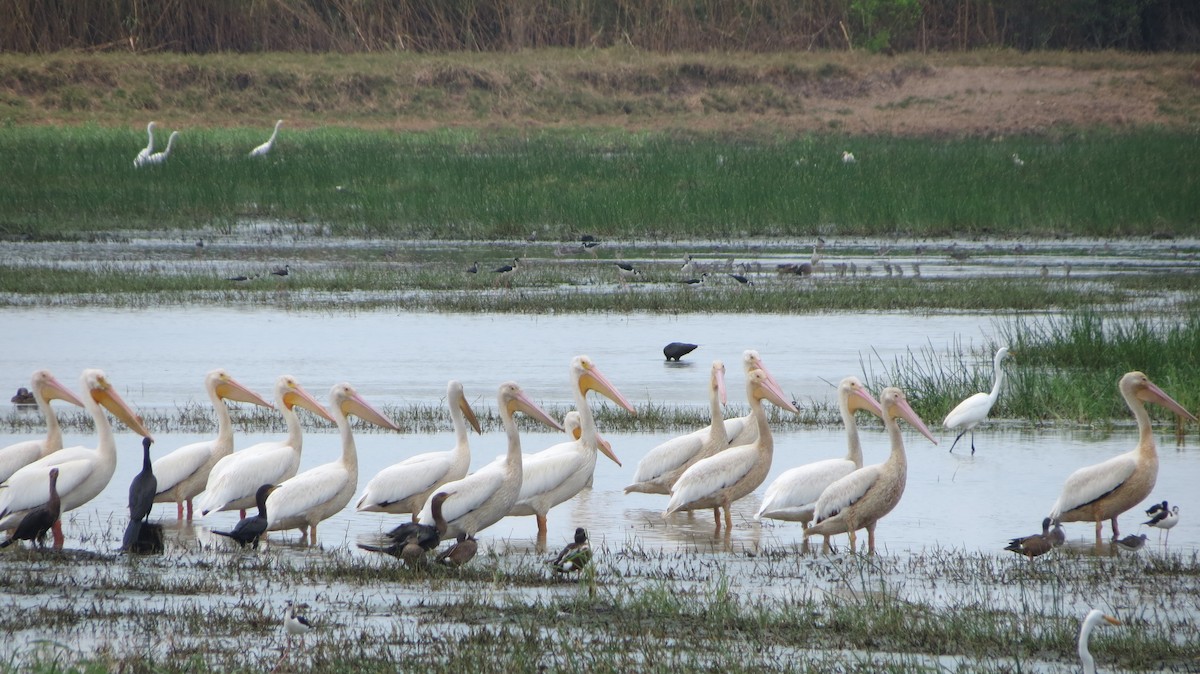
(1063, 368)
(485, 185)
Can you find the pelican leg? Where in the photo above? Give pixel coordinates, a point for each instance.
(242, 514)
(1099, 528)
(853, 541)
(957, 439)
(312, 538)
(179, 510)
(871, 538)
(541, 522)
(728, 519)
(189, 510)
(1116, 532)
(717, 517)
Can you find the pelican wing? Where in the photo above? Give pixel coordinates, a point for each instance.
(548, 469)
(846, 492)
(670, 455)
(30, 486)
(404, 479)
(708, 476)
(181, 464)
(1091, 482)
(297, 495)
(795, 492)
(15, 457)
(466, 495)
(241, 475)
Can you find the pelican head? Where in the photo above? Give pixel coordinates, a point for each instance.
(1139, 386)
(590, 379)
(762, 387)
(752, 361)
(455, 392)
(290, 394)
(49, 388)
(895, 406)
(512, 400)
(717, 382)
(575, 430)
(228, 388)
(346, 400)
(96, 383)
(858, 397)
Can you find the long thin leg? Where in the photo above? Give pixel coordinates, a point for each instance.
(179, 510)
(853, 539)
(189, 509)
(1116, 532)
(871, 538)
(541, 522)
(956, 440)
(728, 519)
(972, 443)
(59, 539)
(717, 517)
(1099, 526)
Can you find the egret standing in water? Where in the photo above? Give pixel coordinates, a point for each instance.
(974, 410)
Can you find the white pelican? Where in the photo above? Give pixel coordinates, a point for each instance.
(183, 473)
(145, 152)
(974, 410)
(1105, 490)
(235, 478)
(262, 150)
(1094, 617)
(161, 157)
(721, 479)
(1163, 519)
(44, 388)
(484, 497)
(862, 498)
(83, 472)
(405, 486)
(558, 473)
(662, 466)
(792, 497)
(320, 493)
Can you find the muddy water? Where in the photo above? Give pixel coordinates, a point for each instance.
(953, 500)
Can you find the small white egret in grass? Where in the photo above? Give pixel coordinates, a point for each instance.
(148, 150)
(1094, 617)
(1017, 161)
(262, 150)
(974, 410)
(848, 157)
(161, 157)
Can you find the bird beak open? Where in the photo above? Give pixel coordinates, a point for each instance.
(362, 409)
(55, 390)
(470, 415)
(593, 380)
(521, 403)
(231, 389)
(298, 396)
(104, 394)
(1153, 394)
(906, 412)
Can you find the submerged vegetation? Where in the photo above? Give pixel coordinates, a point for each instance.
(639, 610)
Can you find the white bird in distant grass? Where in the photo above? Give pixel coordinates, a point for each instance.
(146, 151)
(262, 150)
(1017, 161)
(974, 410)
(848, 157)
(161, 157)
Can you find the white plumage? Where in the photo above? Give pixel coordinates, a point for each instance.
(45, 388)
(262, 150)
(160, 157)
(404, 487)
(974, 410)
(1093, 618)
(145, 152)
(319, 493)
(484, 497)
(235, 478)
(182, 474)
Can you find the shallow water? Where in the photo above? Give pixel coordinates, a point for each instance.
(158, 359)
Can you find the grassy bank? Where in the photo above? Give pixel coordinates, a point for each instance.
(491, 185)
(640, 610)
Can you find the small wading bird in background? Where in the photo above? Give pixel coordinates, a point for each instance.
(676, 350)
(250, 529)
(1038, 544)
(575, 556)
(974, 410)
(145, 153)
(505, 272)
(1162, 518)
(160, 157)
(262, 150)
(848, 157)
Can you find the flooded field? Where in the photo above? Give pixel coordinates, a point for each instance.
(941, 550)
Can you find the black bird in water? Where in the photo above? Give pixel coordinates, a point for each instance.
(575, 556)
(588, 241)
(474, 268)
(37, 522)
(460, 553)
(741, 279)
(141, 498)
(410, 541)
(676, 350)
(282, 271)
(24, 398)
(250, 529)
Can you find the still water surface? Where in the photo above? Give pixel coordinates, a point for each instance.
(158, 359)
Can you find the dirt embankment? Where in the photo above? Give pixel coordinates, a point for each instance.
(965, 94)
